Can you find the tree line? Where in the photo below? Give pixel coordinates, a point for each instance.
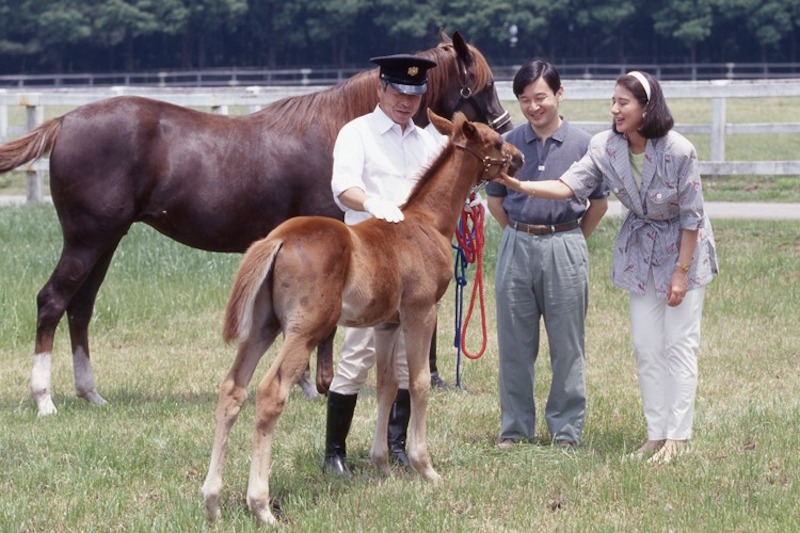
(64, 36)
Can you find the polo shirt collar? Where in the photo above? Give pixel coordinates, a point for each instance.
(559, 135)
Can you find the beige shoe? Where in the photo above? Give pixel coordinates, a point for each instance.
(647, 449)
(668, 452)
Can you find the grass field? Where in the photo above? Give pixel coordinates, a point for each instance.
(137, 464)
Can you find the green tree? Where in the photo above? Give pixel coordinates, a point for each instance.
(608, 22)
(335, 23)
(121, 22)
(401, 21)
(61, 27)
(273, 32)
(688, 22)
(483, 22)
(206, 22)
(768, 21)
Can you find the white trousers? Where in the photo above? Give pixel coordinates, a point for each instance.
(666, 341)
(358, 356)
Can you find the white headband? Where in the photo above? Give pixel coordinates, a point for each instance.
(639, 76)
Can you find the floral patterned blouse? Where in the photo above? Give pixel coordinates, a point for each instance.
(669, 200)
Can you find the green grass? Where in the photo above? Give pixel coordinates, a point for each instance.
(138, 463)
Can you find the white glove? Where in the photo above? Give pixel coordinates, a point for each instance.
(383, 209)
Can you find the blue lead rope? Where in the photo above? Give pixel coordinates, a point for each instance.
(460, 276)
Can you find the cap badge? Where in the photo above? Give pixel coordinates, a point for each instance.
(413, 71)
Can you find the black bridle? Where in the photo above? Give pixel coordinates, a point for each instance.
(467, 97)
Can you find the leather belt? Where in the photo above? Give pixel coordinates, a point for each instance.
(536, 229)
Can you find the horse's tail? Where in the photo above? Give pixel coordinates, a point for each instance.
(33, 145)
(250, 278)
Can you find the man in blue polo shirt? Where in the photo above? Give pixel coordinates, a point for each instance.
(542, 267)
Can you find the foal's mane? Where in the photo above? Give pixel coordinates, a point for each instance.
(432, 169)
(332, 108)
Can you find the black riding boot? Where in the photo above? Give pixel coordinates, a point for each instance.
(398, 428)
(436, 380)
(340, 416)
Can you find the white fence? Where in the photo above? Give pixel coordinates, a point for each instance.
(220, 100)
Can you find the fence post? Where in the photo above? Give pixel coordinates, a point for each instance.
(3, 123)
(718, 129)
(34, 178)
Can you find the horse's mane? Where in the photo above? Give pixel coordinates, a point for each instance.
(332, 108)
(432, 169)
(329, 109)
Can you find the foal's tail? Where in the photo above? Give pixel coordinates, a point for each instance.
(30, 146)
(253, 272)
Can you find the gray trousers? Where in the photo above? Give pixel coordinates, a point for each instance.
(542, 276)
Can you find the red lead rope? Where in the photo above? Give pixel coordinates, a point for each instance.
(471, 243)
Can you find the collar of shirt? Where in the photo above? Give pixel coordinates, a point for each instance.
(384, 124)
(559, 135)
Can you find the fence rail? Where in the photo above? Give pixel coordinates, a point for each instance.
(253, 98)
(240, 77)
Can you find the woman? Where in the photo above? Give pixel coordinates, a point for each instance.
(664, 254)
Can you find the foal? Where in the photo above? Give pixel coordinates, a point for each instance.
(312, 273)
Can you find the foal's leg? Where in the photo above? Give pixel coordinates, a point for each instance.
(418, 329)
(232, 394)
(273, 391)
(386, 348)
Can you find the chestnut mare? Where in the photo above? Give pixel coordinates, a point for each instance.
(371, 274)
(212, 182)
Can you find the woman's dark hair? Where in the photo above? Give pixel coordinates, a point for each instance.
(532, 71)
(657, 120)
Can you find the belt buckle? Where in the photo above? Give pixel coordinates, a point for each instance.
(552, 228)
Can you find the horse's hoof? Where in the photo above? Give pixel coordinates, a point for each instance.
(430, 475)
(93, 397)
(212, 512)
(264, 515)
(46, 407)
(307, 386)
(210, 503)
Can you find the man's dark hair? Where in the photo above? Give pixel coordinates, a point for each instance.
(532, 71)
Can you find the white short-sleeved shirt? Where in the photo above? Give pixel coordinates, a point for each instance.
(374, 154)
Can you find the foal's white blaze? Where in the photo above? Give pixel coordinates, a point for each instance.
(84, 378)
(40, 383)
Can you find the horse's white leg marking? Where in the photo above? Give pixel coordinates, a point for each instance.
(40, 383)
(84, 378)
(308, 386)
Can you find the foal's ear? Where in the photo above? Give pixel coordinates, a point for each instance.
(460, 123)
(442, 125)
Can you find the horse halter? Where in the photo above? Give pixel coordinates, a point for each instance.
(487, 162)
(467, 97)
